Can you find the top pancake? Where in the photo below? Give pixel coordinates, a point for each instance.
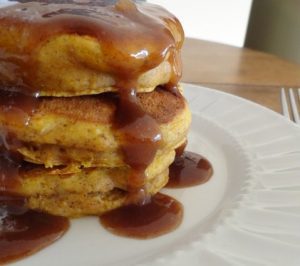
(65, 48)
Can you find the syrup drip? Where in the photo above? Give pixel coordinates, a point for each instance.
(16, 105)
(189, 169)
(161, 215)
(134, 38)
(147, 42)
(22, 232)
(142, 139)
(25, 232)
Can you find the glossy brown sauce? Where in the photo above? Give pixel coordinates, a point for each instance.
(25, 233)
(22, 232)
(180, 150)
(153, 218)
(147, 42)
(141, 140)
(9, 171)
(189, 169)
(16, 105)
(161, 215)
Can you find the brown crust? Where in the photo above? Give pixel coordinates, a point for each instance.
(98, 109)
(162, 105)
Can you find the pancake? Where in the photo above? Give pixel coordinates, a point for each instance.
(40, 181)
(54, 155)
(68, 49)
(89, 97)
(96, 203)
(76, 205)
(88, 191)
(61, 128)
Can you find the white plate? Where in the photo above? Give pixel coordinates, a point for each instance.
(247, 214)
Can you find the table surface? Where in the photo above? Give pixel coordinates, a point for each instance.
(253, 75)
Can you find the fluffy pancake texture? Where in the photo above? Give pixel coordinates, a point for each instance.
(74, 192)
(83, 180)
(53, 155)
(80, 56)
(108, 116)
(76, 149)
(94, 203)
(71, 65)
(76, 205)
(81, 130)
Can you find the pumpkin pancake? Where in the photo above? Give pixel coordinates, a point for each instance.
(90, 114)
(94, 203)
(81, 129)
(36, 180)
(89, 191)
(68, 48)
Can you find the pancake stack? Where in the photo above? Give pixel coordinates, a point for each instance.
(91, 112)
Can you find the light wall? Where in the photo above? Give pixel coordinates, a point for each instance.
(222, 21)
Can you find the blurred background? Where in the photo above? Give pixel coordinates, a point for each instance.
(272, 26)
